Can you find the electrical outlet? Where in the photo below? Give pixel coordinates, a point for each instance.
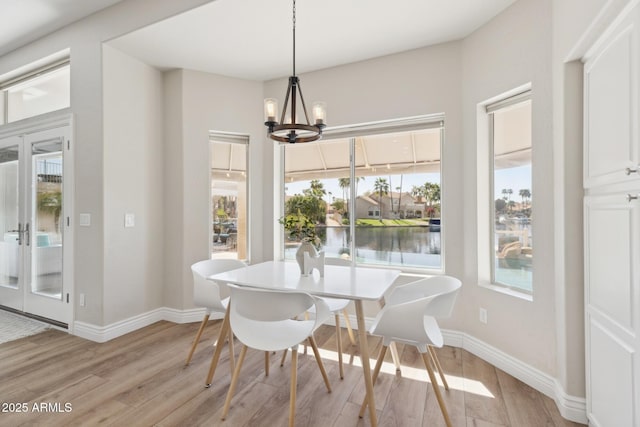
(483, 315)
(82, 300)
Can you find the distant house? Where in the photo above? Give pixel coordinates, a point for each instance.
(367, 207)
(392, 205)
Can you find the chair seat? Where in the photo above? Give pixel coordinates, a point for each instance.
(433, 332)
(273, 336)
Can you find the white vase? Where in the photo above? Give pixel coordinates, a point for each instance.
(305, 247)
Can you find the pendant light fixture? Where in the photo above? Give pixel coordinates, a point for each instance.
(288, 129)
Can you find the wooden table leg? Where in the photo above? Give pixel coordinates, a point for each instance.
(224, 330)
(364, 355)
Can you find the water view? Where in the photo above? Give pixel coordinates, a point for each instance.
(412, 246)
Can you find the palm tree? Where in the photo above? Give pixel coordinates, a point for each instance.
(432, 194)
(400, 194)
(525, 194)
(381, 187)
(316, 189)
(344, 183)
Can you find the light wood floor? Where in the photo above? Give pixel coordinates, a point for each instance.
(140, 380)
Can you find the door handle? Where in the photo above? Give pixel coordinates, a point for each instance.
(26, 232)
(19, 231)
(629, 171)
(631, 197)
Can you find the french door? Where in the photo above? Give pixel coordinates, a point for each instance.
(33, 223)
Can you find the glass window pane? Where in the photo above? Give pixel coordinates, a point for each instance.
(512, 195)
(47, 219)
(9, 251)
(317, 195)
(398, 221)
(397, 205)
(48, 92)
(229, 200)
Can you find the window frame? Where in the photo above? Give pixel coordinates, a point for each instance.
(351, 132)
(28, 76)
(486, 196)
(239, 139)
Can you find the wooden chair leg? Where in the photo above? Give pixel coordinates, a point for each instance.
(284, 357)
(395, 356)
(312, 342)
(436, 389)
(232, 357)
(266, 363)
(339, 340)
(224, 329)
(347, 322)
(436, 362)
(376, 371)
(234, 382)
(198, 335)
(294, 382)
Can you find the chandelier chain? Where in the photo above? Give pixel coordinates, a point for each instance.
(294, 37)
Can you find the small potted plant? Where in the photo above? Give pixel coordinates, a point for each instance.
(299, 227)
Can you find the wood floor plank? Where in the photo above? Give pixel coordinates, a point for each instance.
(524, 404)
(485, 401)
(140, 379)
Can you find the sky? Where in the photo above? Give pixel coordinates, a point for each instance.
(517, 178)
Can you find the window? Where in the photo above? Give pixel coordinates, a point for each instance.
(228, 154)
(511, 192)
(386, 197)
(42, 91)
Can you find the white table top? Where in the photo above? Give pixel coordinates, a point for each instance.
(356, 283)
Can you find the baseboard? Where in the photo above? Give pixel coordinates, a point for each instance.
(571, 407)
(105, 333)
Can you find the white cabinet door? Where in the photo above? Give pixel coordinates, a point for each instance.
(612, 294)
(611, 107)
(612, 226)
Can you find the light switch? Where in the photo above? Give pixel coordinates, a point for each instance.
(129, 220)
(85, 219)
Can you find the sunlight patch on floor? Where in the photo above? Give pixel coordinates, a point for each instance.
(455, 382)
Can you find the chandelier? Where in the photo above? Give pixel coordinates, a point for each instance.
(288, 129)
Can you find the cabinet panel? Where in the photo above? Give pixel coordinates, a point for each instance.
(611, 380)
(611, 108)
(610, 221)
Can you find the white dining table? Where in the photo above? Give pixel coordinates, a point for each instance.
(354, 283)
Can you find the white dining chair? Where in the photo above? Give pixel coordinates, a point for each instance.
(408, 317)
(336, 306)
(211, 295)
(265, 320)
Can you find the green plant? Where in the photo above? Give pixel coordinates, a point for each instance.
(299, 227)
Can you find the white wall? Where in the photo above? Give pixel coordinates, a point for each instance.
(218, 103)
(133, 184)
(576, 24)
(510, 51)
(85, 38)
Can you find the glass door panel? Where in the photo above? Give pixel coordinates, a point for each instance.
(11, 227)
(46, 211)
(9, 211)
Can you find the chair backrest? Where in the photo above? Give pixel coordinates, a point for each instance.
(207, 293)
(409, 315)
(262, 319)
(444, 289)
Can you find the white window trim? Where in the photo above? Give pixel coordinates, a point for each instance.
(485, 206)
(430, 121)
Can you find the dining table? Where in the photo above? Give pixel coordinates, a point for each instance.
(354, 283)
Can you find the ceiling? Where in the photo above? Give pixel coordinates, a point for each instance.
(251, 39)
(24, 21)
